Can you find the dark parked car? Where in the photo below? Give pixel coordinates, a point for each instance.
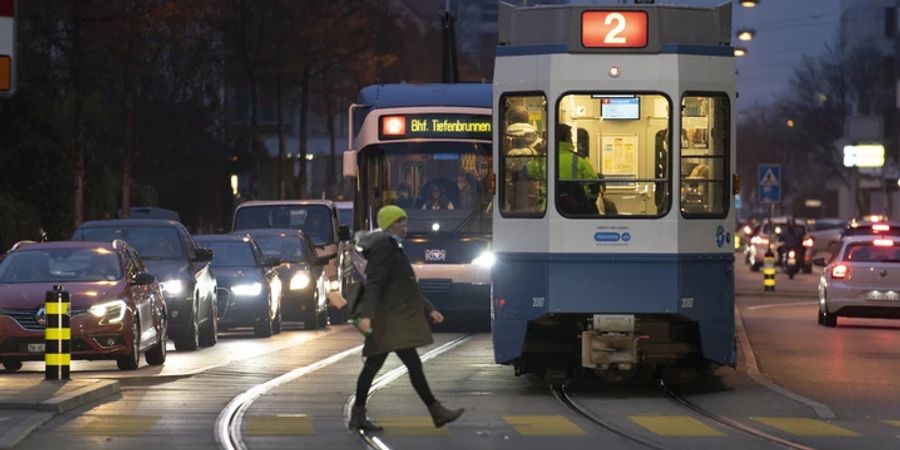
(248, 287)
(181, 268)
(116, 310)
(302, 274)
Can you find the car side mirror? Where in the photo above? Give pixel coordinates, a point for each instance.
(203, 254)
(272, 261)
(343, 233)
(820, 262)
(143, 279)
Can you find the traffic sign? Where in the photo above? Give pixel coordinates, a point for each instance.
(770, 183)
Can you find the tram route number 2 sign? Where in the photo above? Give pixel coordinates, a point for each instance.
(614, 29)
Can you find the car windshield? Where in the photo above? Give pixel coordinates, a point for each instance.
(287, 248)
(150, 242)
(314, 220)
(868, 252)
(231, 254)
(60, 265)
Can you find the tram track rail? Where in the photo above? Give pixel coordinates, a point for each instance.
(564, 396)
(374, 441)
(730, 423)
(229, 424)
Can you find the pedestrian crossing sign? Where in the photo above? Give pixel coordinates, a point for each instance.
(769, 183)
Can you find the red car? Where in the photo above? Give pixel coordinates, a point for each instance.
(116, 311)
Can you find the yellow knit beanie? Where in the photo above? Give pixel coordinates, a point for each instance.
(388, 215)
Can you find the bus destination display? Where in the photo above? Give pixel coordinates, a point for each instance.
(435, 126)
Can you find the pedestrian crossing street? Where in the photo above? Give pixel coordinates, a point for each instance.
(530, 426)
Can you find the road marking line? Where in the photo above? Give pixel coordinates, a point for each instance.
(544, 426)
(119, 425)
(895, 423)
(781, 305)
(675, 426)
(410, 426)
(279, 425)
(804, 427)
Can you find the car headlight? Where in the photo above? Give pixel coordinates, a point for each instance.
(300, 280)
(109, 312)
(486, 259)
(172, 287)
(247, 289)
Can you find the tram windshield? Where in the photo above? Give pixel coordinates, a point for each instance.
(441, 185)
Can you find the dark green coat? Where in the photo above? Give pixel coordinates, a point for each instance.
(392, 299)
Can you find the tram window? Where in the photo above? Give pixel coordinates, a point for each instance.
(612, 155)
(523, 155)
(705, 142)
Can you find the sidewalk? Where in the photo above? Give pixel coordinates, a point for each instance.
(27, 402)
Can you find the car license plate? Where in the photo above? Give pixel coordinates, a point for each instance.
(36, 348)
(883, 296)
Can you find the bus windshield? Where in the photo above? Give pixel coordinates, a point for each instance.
(441, 185)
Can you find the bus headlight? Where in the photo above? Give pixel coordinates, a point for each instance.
(486, 259)
(110, 312)
(247, 290)
(299, 281)
(172, 287)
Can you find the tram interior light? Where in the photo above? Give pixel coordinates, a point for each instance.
(740, 51)
(749, 3)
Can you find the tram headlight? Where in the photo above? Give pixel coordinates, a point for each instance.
(299, 281)
(486, 259)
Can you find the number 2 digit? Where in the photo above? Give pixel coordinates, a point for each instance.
(613, 36)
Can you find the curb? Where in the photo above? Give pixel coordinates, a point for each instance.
(821, 410)
(49, 409)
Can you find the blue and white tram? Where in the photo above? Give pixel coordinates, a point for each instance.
(615, 141)
(427, 149)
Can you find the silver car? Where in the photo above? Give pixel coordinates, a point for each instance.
(862, 280)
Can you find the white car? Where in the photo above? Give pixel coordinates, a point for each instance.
(862, 280)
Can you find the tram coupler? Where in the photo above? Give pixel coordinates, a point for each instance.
(610, 344)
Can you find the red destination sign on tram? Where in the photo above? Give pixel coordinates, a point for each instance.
(614, 29)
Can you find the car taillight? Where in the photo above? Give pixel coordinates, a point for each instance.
(759, 240)
(808, 242)
(839, 271)
(884, 243)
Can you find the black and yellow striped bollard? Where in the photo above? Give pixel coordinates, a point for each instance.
(769, 271)
(57, 335)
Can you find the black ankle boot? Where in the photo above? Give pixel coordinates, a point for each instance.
(359, 421)
(442, 416)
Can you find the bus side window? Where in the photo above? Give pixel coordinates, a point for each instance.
(523, 155)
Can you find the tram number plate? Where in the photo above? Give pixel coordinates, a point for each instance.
(36, 348)
(614, 29)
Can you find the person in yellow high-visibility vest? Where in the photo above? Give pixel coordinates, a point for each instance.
(574, 198)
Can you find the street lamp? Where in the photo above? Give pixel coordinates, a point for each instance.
(746, 35)
(749, 3)
(790, 123)
(740, 51)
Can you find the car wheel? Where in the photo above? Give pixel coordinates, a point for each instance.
(826, 318)
(210, 333)
(190, 340)
(156, 356)
(263, 326)
(133, 359)
(276, 326)
(12, 365)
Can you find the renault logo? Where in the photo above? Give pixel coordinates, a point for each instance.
(41, 317)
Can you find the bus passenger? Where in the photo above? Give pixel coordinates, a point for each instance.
(437, 199)
(468, 190)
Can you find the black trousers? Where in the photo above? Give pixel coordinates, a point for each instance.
(413, 364)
